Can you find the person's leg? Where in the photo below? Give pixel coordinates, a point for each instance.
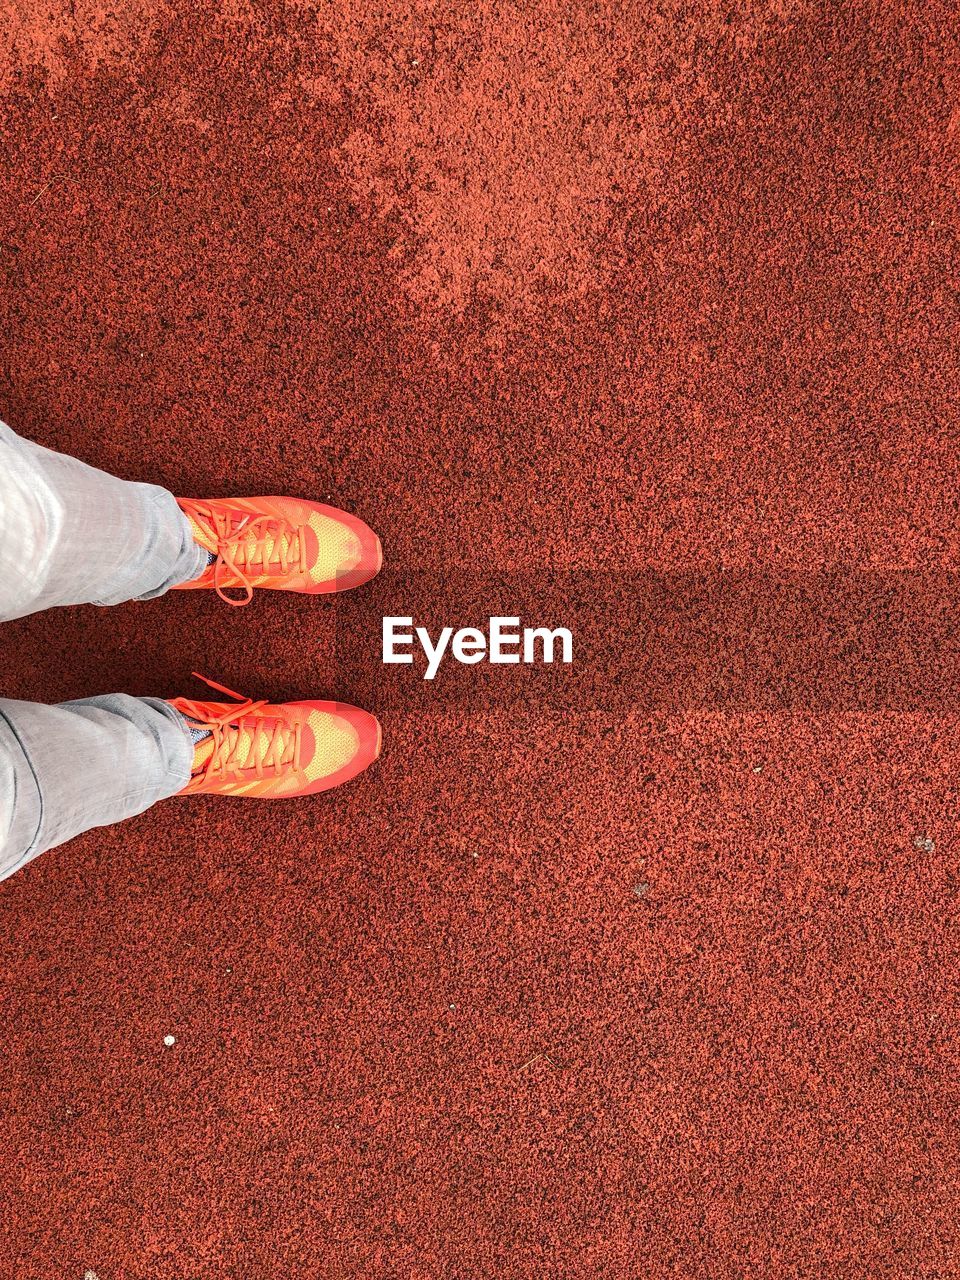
(70, 534)
(66, 768)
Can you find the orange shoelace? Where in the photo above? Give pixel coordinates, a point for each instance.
(272, 744)
(248, 549)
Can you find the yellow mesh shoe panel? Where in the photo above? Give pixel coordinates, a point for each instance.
(338, 548)
(335, 744)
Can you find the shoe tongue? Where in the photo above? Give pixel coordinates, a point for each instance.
(241, 753)
(274, 542)
(200, 535)
(202, 752)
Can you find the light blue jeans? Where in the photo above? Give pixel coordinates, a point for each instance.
(70, 534)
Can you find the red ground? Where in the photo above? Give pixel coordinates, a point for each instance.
(564, 988)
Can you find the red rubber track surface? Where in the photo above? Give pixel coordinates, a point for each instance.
(564, 986)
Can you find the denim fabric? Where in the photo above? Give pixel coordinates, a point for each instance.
(70, 534)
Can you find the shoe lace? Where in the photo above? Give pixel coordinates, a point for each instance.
(266, 745)
(246, 550)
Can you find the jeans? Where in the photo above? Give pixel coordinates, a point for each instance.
(70, 534)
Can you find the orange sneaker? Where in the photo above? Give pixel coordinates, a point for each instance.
(273, 751)
(285, 544)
